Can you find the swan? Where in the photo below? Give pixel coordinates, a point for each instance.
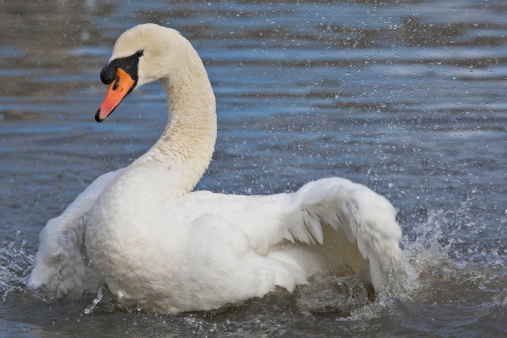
(143, 233)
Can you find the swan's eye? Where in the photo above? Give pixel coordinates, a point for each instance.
(139, 53)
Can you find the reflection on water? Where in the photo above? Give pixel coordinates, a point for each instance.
(408, 99)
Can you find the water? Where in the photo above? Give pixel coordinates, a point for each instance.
(406, 98)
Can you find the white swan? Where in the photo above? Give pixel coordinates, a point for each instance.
(143, 233)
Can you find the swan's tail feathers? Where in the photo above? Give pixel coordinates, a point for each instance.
(59, 263)
(363, 223)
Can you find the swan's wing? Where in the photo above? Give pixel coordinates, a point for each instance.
(356, 226)
(59, 261)
(365, 215)
(362, 219)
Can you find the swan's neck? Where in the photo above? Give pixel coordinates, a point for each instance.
(188, 140)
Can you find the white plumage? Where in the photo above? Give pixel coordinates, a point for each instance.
(142, 232)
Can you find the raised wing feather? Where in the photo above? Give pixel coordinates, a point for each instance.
(362, 219)
(345, 221)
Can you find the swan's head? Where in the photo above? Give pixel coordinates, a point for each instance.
(142, 54)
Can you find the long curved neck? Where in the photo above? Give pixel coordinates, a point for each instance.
(188, 140)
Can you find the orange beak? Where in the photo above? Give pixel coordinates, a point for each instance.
(118, 89)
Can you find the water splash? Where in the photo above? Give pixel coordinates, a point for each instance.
(444, 251)
(15, 265)
(422, 244)
(96, 301)
(449, 237)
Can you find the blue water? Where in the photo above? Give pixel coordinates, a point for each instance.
(408, 99)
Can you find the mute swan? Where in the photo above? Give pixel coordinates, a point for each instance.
(142, 232)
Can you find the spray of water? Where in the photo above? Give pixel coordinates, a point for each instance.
(15, 265)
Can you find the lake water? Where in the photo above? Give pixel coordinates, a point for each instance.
(408, 98)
